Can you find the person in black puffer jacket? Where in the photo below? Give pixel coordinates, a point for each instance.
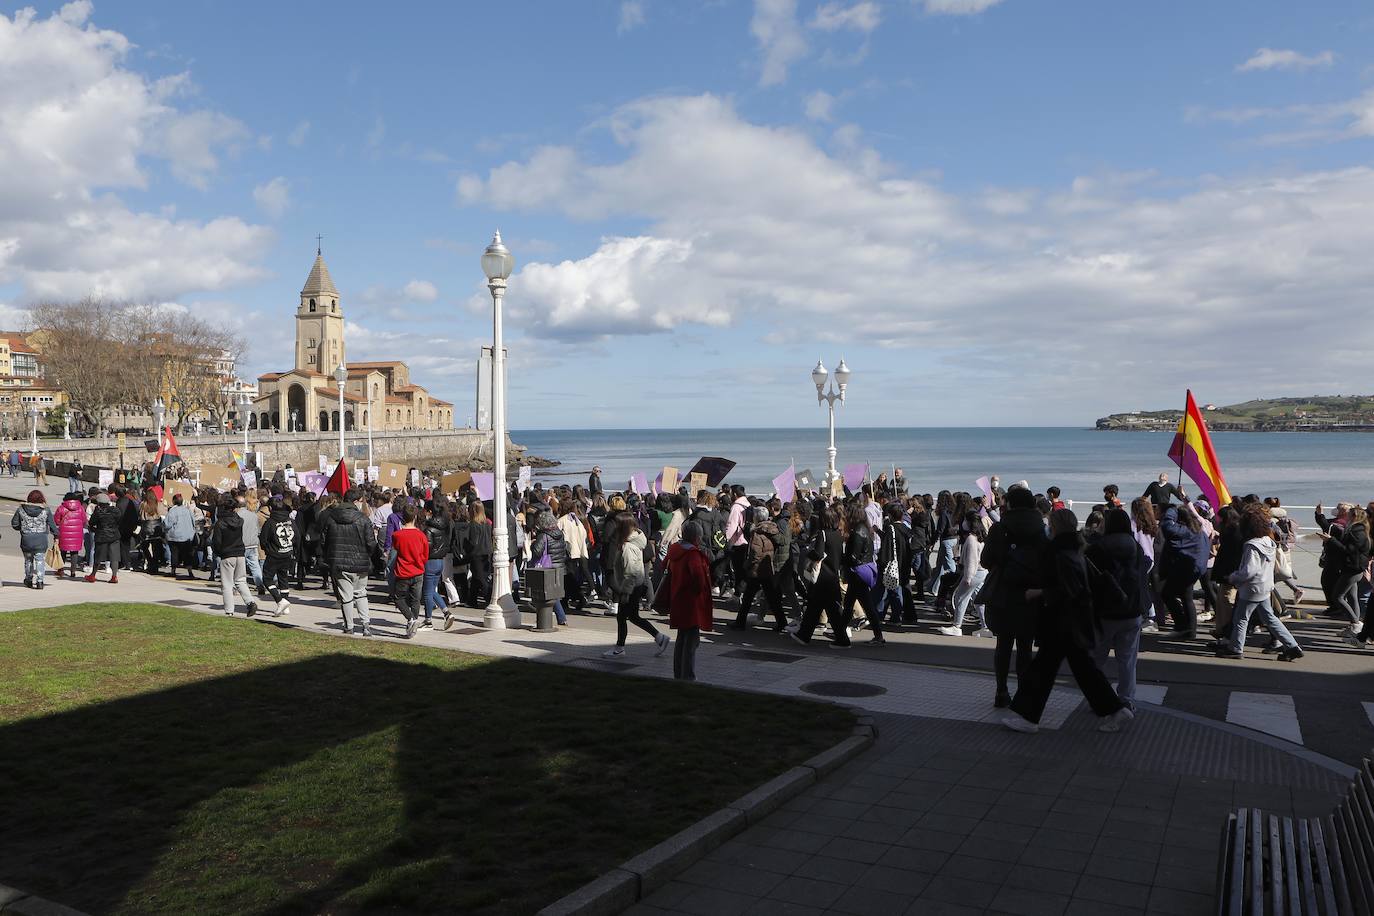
(920, 546)
(1066, 632)
(439, 530)
(548, 550)
(104, 525)
(479, 547)
(349, 539)
(860, 573)
(1011, 555)
(1120, 609)
(226, 540)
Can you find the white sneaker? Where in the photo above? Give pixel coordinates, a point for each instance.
(614, 652)
(950, 631)
(792, 627)
(1016, 723)
(715, 592)
(1150, 629)
(283, 607)
(984, 633)
(1113, 722)
(664, 641)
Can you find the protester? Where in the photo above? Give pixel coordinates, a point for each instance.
(760, 572)
(627, 581)
(1183, 562)
(1254, 581)
(36, 526)
(1011, 556)
(548, 550)
(180, 527)
(860, 577)
(348, 541)
(278, 541)
(1121, 599)
(688, 598)
(411, 548)
(971, 577)
(104, 525)
(71, 533)
(226, 540)
(439, 532)
(152, 535)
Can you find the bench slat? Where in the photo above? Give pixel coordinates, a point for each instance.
(1309, 890)
(1235, 891)
(1290, 868)
(1256, 863)
(1228, 848)
(1354, 861)
(1276, 864)
(1328, 855)
(1360, 817)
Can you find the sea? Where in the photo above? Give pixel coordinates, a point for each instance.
(1300, 468)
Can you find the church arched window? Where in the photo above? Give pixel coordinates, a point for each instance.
(312, 305)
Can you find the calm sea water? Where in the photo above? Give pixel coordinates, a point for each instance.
(1299, 468)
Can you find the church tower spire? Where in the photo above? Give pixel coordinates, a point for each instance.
(319, 321)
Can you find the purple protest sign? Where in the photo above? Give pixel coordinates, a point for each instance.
(984, 483)
(639, 484)
(314, 481)
(485, 484)
(854, 475)
(785, 484)
(658, 483)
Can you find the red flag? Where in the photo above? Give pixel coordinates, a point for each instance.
(338, 481)
(1192, 451)
(167, 452)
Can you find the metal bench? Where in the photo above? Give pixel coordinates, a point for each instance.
(1324, 866)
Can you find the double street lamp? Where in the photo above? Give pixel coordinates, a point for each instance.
(835, 393)
(244, 402)
(497, 264)
(33, 415)
(341, 376)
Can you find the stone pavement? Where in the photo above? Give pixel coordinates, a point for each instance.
(948, 813)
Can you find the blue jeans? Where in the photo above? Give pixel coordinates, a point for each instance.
(34, 567)
(254, 565)
(434, 571)
(1240, 623)
(964, 594)
(1123, 638)
(943, 565)
(880, 606)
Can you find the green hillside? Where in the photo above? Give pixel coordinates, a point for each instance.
(1316, 412)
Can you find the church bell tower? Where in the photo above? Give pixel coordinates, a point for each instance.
(319, 322)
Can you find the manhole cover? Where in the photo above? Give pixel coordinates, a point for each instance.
(757, 656)
(843, 689)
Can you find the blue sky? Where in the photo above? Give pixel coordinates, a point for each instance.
(999, 212)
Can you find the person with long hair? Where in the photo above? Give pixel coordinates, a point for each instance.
(1119, 556)
(623, 567)
(1183, 562)
(1353, 554)
(1011, 555)
(860, 576)
(1254, 581)
(438, 531)
(688, 595)
(1145, 528)
(152, 535)
(479, 554)
(972, 575)
(1066, 633)
(946, 536)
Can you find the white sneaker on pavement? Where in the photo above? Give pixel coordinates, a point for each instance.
(950, 631)
(1150, 629)
(613, 652)
(664, 641)
(1016, 723)
(984, 633)
(1113, 722)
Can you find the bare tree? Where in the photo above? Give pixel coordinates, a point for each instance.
(80, 351)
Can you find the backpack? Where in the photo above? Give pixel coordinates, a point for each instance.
(1106, 592)
(629, 566)
(761, 549)
(1288, 532)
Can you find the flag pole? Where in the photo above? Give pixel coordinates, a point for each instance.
(1183, 441)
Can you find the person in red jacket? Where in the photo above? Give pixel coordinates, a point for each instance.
(689, 598)
(412, 552)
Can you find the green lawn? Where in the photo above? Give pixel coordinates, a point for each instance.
(154, 760)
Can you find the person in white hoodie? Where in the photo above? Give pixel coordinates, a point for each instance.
(1254, 581)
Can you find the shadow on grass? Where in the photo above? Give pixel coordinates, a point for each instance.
(349, 783)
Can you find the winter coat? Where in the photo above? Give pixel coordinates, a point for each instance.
(712, 530)
(104, 522)
(71, 525)
(458, 541)
(1011, 554)
(610, 568)
(226, 538)
(689, 587)
(551, 541)
(896, 544)
(250, 525)
(349, 540)
(439, 530)
(734, 523)
(181, 525)
(1067, 610)
(574, 536)
(35, 525)
(279, 537)
(1254, 580)
(1121, 557)
(763, 542)
(920, 533)
(479, 543)
(1355, 546)
(128, 516)
(1184, 548)
(782, 547)
(832, 542)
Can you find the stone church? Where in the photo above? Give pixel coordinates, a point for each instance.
(307, 398)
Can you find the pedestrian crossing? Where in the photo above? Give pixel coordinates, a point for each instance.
(1272, 713)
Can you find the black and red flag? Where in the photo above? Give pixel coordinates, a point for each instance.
(167, 453)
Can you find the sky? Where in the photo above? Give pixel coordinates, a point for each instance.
(997, 212)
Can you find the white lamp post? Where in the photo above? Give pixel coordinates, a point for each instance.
(159, 410)
(497, 264)
(244, 403)
(371, 417)
(835, 393)
(341, 376)
(33, 415)
(66, 426)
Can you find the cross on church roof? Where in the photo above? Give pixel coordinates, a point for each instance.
(319, 239)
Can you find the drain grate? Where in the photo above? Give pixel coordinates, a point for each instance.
(759, 656)
(843, 689)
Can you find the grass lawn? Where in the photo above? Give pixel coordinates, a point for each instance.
(154, 760)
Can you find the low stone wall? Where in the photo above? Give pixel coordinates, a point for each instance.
(460, 448)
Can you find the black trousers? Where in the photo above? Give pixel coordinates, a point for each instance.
(479, 586)
(768, 582)
(408, 596)
(1178, 598)
(855, 590)
(1024, 649)
(276, 575)
(1033, 690)
(183, 554)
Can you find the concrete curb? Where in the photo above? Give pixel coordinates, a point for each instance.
(633, 880)
(14, 902)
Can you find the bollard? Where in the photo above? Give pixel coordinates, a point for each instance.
(545, 587)
(543, 617)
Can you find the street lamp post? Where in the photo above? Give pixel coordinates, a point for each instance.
(497, 264)
(835, 393)
(33, 415)
(159, 410)
(371, 418)
(341, 376)
(244, 402)
(66, 426)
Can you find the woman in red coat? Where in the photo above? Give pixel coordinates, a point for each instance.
(689, 598)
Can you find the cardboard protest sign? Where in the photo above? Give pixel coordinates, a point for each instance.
(452, 483)
(224, 479)
(314, 481)
(697, 485)
(250, 479)
(669, 476)
(485, 484)
(785, 484)
(170, 489)
(104, 478)
(715, 469)
(805, 480)
(523, 481)
(373, 472)
(391, 474)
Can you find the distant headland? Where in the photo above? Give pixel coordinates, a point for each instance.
(1311, 414)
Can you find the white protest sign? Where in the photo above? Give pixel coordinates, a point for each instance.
(414, 477)
(250, 479)
(523, 481)
(373, 472)
(324, 465)
(105, 478)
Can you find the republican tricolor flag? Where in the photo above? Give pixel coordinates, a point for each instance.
(1192, 451)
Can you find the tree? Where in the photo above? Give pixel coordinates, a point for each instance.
(80, 352)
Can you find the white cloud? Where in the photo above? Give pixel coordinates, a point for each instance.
(1329, 122)
(631, 16)
(273, 197)
(820, 106)
(78, 126)
(779, 37)
(863, 16)
(957, 7)
(1276, 59)
(760, 226)
(419, 291)
(298, 134)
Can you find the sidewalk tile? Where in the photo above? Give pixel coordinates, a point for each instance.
(1029, 902)
(808, 890)
(959, 890)
(1169, 902)
(896, 880)
(871, 901)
